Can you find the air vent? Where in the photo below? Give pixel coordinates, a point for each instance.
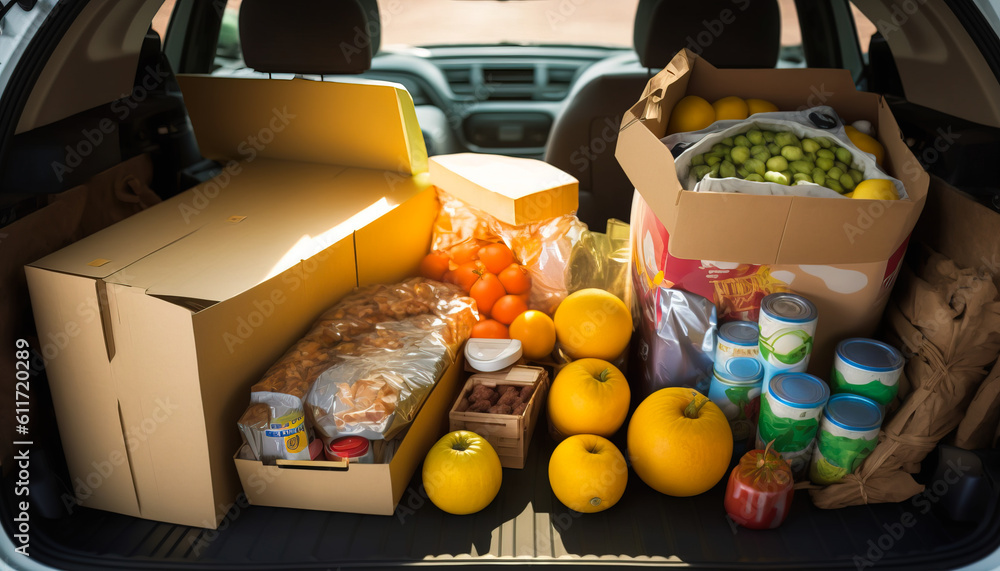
(509, 76)
(460, 79)
(560, 77)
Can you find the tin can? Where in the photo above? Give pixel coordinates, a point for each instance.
(737, 339)
(847, 435)
(735, 388)
(787, 327)
(350, 448)
(790, 411)
(867, 367)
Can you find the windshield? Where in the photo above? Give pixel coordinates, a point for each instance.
(443, 22)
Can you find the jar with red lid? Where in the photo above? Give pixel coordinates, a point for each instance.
(350, 448)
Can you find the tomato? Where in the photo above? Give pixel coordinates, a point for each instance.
(515, 279)
(434, 265)
(496, 257)
(760, 488)
(462, 473)
(465, 251)
(507, 308)
(486, 291)
(489, 329)
(465, 275)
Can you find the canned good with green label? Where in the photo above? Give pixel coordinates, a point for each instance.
(735, 389)
(790, 410)
(737, 339)
(787, 326)
(867, 367)
(847, 435)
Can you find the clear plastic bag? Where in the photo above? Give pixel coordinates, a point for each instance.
(821, 121)
(379, 330)
(602, 260)
(543, 247)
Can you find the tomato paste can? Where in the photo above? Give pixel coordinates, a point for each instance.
(351, 448)
(737, 339)
(867, 367)
(787, 326)
(790, 410)
(735, 388)
(847, 435)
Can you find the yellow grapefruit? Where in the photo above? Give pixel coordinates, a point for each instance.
(587, 473)
(730, 108)
(593, 323)
(692, 113)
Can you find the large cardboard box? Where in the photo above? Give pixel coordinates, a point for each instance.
(164, 320)
(842, 254)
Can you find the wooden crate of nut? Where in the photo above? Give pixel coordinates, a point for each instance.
(515, 397)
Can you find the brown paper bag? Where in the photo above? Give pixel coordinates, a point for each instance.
(982, 419)
(947, 321)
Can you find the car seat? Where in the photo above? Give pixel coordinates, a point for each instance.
(727, 33)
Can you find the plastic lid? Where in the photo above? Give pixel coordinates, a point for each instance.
(740, 332)
(799, 390)
(869, 355)
(349, 447)
(488, 355)
(853, 412)
(789, 307)
(742, 370)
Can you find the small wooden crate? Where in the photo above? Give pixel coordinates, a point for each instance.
(509, 434)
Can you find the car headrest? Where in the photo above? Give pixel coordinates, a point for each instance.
(309, 36)
(727, 33)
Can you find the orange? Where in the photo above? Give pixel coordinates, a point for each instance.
(589, 396)
(536, 332)
(486, 291)
(434, 265)
(593, 323)
(679, 442)
(760, 106)
(730, 108)
(691, 113)
(587, 473)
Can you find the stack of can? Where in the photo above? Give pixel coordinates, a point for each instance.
(847, 435)
(787, 327)
(735, 388)
(790, 409)
(868, 368)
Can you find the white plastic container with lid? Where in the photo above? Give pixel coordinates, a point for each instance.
(489, 355)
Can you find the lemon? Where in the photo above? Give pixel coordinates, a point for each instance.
(876, 189)
(760, 106)
(691, 113)
(730, 108)
(866, 143)
(536, 332)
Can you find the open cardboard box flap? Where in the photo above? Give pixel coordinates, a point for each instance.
(731, 227)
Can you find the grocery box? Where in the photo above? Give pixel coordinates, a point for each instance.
(352, 487)
(840, 253)
(509, 434)
(164, 320)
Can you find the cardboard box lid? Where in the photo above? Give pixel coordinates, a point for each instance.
(349, 150)
(514, 190)
(244, 237)
(767, 229)
(361, 123)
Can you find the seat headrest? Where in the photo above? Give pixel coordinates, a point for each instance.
(727, 33)
(309, 36)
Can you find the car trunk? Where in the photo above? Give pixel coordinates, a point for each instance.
(524, 524)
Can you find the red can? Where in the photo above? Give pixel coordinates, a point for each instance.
(759, 492)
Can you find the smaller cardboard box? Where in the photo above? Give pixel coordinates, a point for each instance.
(352, 487)
(515, 191)
(509, 434)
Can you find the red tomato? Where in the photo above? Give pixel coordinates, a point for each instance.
(434, 265)
(465, 251)
(515, 279)
(507, 308)
(489, 329)
(465, 275)
(486, 291)
(496, 257)
(759, 492)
